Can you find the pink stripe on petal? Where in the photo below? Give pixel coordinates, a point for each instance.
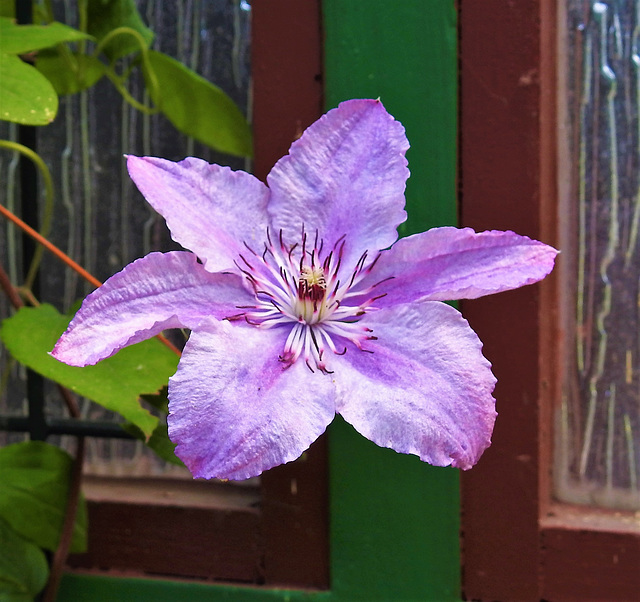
(235, 410)
(159, 291)
(426, 389)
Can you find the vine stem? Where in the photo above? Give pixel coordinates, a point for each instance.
(9, 290)
(152, 80)
(66, 536)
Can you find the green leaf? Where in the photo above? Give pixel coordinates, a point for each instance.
(115, 383)
(33, 498)
(159, 400)
(196, 107)
(26, 96)
(106, 15)
(65, 80)
(20, 39)
(159, 442)
(23, 567)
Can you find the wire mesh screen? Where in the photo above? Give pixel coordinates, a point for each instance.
(99, 218)
(598, 460)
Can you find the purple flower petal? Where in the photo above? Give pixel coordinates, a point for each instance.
(345, 176)
(452, 263)
(425, 389)
(170, 290)
(209, 209)
(236, 410)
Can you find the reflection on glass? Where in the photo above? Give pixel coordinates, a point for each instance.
(598, 447)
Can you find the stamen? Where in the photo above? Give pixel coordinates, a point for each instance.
(370, 266)
(296, 286)
(244, 242)
(235, 317)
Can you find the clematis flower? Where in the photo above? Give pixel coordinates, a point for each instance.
(302, 304)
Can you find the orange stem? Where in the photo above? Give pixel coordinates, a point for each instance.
(50, 246)
(66, 259)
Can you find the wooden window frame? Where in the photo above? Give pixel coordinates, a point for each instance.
(518, 543)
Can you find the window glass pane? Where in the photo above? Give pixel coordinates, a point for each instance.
(598, 447)
(100, 219)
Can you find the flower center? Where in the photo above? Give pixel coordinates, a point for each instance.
(312, 284)
(307, 290)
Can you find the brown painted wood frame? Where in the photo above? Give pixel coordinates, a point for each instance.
(518, 544)
(285, 540)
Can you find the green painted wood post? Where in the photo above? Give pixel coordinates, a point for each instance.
(394, 520)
